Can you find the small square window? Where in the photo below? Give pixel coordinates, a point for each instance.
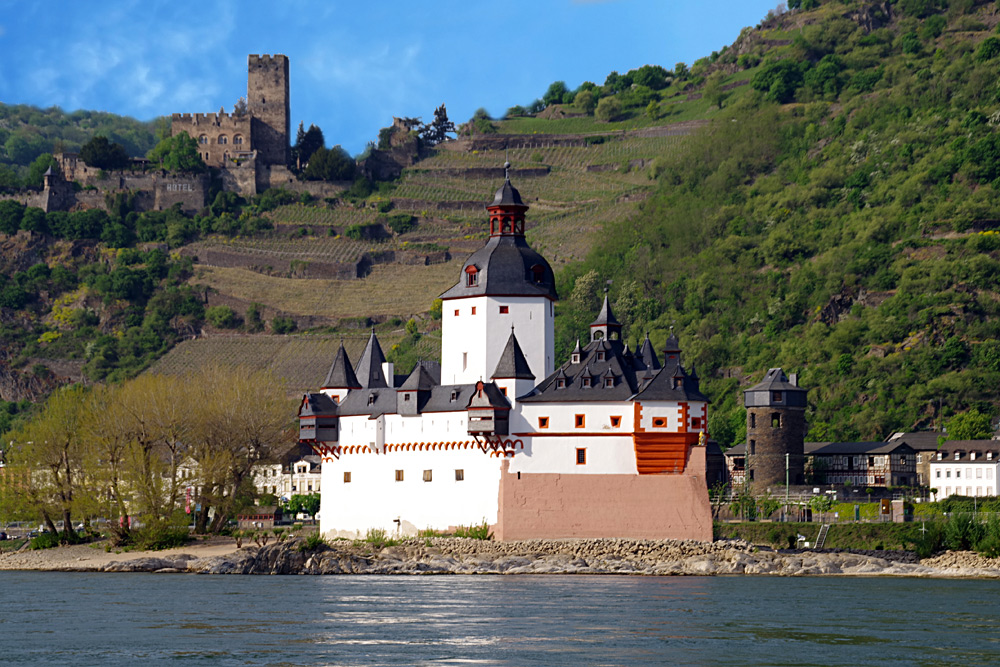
(543, 422)
(456, 312)
(406, 397)
(473, 310)
(616, 422)
(581, 456)
(580, 421)
(504, 310)
(459, 475)
(560, 384)
(347, 478)
(696, 422)
(659, 422)
(428, 475)
(776, 396)
(399, 475)
(503, 390)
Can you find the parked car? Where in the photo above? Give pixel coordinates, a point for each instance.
(3, 536)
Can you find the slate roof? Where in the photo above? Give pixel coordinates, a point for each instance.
(775, 380)
(921, 441)
(369, 368)
(317, 404)
(341, 374)
(425, 376)
(505, 264)
(507, 195)
(605, 317)
(505, 268)
(512, 363)
(648, 354)
(852, 448)
(672, 383)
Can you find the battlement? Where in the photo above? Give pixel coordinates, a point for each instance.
(224, 120)
(266, 60)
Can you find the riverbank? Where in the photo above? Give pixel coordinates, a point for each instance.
(462, 556)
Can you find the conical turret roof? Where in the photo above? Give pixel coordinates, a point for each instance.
(512, 363)
(369, 368)
(341, 375)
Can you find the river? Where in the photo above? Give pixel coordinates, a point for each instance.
(58, 618)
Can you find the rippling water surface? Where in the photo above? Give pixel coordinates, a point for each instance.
(113, 619)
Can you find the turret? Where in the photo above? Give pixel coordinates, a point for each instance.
(776, 429)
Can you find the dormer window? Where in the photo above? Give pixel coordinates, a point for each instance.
(574, 358)
(677, 383)
(538, 273)
(609, 382)
(586, 382)
(957, 456)
(454, 395)
(471, 276)
(560, 383)
(371, 399)
(600, 355)
(989, 456)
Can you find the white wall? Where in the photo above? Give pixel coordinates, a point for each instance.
(471, 344)
(963, 478)
(373, 498)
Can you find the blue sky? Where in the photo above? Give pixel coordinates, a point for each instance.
(354, 65)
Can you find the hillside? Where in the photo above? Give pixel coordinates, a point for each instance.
(821, 195)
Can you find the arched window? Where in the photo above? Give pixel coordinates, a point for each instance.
(202, 139)
(223, 139)
(471, 276)
(538, 273)
(237, 138)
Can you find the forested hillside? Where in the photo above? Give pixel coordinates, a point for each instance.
(840, 221)
(820, 195)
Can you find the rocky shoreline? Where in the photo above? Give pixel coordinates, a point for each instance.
(592, 556)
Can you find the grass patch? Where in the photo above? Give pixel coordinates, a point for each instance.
(478, 532)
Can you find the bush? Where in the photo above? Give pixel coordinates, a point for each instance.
(160, 535)
(311, 542)
(282, 325)
(45, 541)
(401, 223)
(221, 317)
(608, 109)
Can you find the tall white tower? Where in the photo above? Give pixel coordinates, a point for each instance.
(504, 284)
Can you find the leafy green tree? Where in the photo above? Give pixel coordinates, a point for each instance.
(178, 153)
(988, 49)
(282, 324)
(681, 71)
(608, 109)
(222, 317)
(254, 323)
(330, 165)
(971, 425)
(714, 91)
(307, 503)
(103, 154)
(307, 145)
(651, 76)
(36, 172)
(556, 92)
(910, 43)
(778, 80)
(585, 101)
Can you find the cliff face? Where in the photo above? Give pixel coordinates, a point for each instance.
(16, 386)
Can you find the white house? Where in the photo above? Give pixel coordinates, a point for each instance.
(965, 468)
(609, 444)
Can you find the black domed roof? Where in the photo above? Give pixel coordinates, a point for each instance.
(507, 195)
(508, 266)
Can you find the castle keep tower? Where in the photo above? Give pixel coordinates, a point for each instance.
(268, 106)
(776, 427)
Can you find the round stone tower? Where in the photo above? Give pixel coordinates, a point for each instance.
(776, 430)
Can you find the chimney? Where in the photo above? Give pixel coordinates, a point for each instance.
(387, 371)
(794, 379)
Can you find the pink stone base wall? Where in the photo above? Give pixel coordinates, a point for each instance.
(550, 506)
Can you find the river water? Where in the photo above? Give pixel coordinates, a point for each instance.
(57, 618)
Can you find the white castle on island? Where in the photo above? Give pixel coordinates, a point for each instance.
(609, 444)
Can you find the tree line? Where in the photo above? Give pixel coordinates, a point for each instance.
(117, 452)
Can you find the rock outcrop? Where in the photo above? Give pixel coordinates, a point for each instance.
(606, 556)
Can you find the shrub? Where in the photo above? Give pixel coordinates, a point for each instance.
(608, 109)
(161, 535)
(282, 324)
(988, 49)
(480, 532)
(44, 541)
(222, 317)
(401, 223)
(312, 542)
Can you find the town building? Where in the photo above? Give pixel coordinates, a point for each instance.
(965, 468)
(861, 464)
(611, 443)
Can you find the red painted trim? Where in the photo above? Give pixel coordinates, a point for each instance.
(577, 434)
(476, 296)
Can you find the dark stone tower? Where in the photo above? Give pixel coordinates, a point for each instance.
(776, 430)
(268, 104)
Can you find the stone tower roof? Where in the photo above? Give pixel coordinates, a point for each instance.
(369, 368)
(341, 375)
(512, 363)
